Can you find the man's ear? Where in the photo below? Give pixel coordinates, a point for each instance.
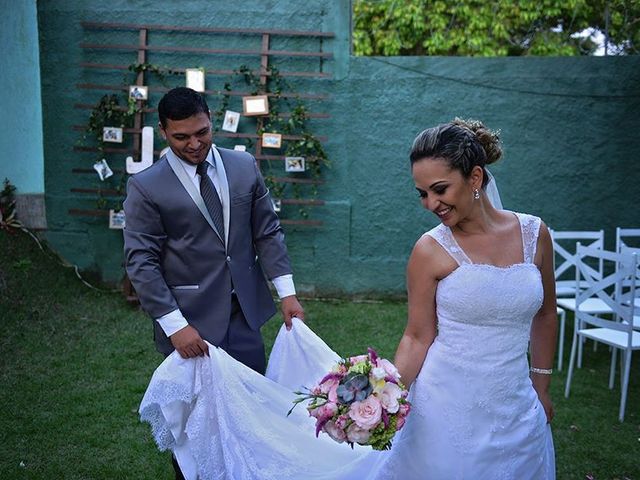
(162, 132)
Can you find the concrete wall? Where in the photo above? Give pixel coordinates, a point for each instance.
(22, 160)
(568, 125)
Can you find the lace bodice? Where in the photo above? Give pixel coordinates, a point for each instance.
(484, 309)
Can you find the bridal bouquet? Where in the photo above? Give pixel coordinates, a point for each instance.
(361, 400)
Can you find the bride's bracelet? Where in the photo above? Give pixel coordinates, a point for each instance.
(542, 371)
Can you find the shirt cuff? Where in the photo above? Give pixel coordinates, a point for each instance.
(284, 285)
(172, 322)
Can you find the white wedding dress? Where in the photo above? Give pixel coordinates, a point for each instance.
(475, 413)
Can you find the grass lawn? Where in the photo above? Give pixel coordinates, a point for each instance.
(74, 364)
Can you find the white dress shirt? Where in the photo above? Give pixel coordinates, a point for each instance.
(174, 320)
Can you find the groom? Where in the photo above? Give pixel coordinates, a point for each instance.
(200, 236)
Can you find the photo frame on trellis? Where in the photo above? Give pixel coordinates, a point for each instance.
(112, 134)
(116, 219)
(294, 164)
(271, 140)
(103, 169)
(194, 79)
(138, 92)
(255, 105)
(231, 121)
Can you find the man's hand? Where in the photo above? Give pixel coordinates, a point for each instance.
(188, 343)
(291, 308)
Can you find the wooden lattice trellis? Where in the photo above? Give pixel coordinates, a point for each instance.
(265, 53)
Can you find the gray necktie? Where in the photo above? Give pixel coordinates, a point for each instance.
(211, 198)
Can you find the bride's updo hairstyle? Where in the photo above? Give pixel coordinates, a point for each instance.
(463, 144)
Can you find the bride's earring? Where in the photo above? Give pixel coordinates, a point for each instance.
(476, 194)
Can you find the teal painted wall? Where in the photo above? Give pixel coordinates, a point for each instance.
(22, 160)
(568, 125)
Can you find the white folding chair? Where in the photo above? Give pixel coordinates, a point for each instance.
(628, 239)
(618, 332)
(565, 257)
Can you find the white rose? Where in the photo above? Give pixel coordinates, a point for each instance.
(389, 397)
(378, 373)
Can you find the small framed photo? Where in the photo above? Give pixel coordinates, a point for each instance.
(277, 204)
(138, 92)
(255, 105)
(112, 134)
(271, 140)
(231, 120)
(102, 167)
(116, 219)
(294, 164)
(240, 148)
(195, 79)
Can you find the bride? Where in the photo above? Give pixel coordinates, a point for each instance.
(481, 295)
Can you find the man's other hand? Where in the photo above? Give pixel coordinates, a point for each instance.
(188, 343)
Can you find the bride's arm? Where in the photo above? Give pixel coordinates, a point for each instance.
(421, 325)
(545, 323)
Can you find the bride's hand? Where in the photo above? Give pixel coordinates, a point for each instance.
(545, 399)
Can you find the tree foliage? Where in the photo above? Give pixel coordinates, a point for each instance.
(496, 28)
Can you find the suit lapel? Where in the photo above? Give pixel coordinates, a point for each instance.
(187, 183)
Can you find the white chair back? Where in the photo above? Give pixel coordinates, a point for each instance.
(624, 271)
(626, 291)
(565, 256)
(624, 238)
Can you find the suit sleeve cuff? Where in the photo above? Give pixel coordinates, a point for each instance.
(172, 322)
(284, 285)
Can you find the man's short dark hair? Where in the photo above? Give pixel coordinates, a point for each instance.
(180, 103)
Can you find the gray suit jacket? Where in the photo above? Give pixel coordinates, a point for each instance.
(175, 258)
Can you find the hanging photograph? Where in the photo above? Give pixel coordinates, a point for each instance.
(294, 164)
(116, 219)
(277, 204)
(102, 167)
(256, 105)
(240, 148)
(195, 79)
(271, 140)
(112, 134)
(138, 92)
(231, 120)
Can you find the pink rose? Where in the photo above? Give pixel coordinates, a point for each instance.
(330, 388)
(341, 421)
(334, 431)
(367, 413)
(356, 434)
(404, 410)
(389, 397)
(325, 411)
